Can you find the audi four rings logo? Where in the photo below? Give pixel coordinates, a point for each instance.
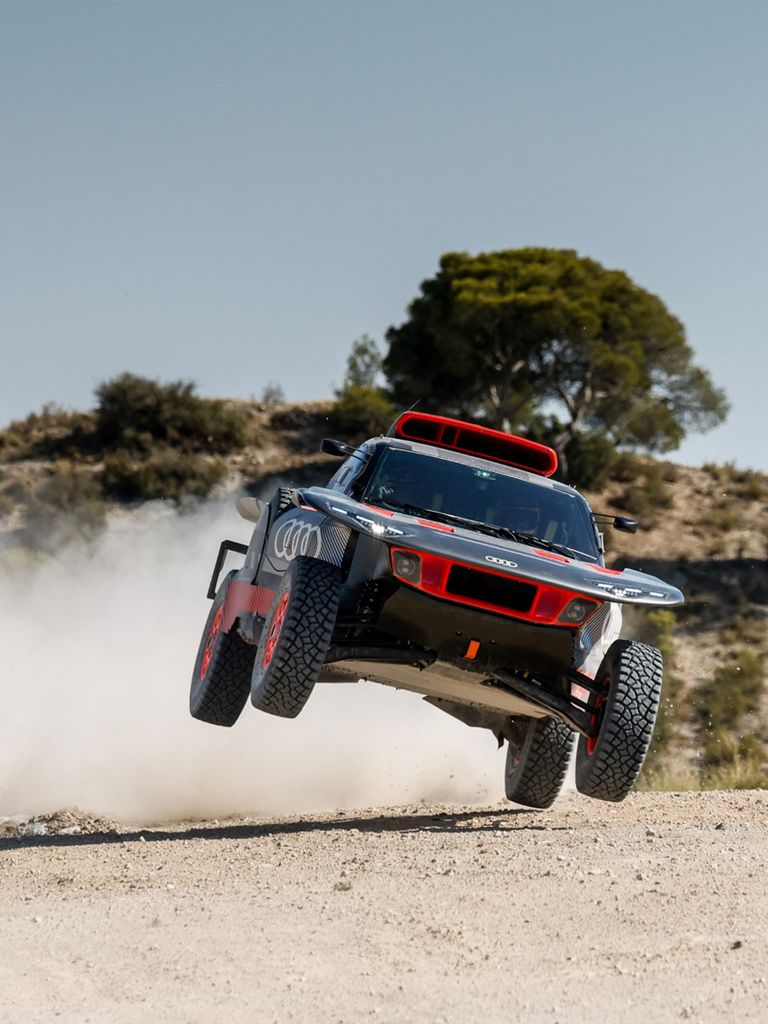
(296, 538)
(501, 561)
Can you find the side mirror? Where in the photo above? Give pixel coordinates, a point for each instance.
(337, 448)
(623, 523)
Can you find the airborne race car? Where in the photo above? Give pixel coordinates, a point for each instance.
(442, 559)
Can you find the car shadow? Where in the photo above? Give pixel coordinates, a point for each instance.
(511, 820)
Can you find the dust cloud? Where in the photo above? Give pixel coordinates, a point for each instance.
(98, 646)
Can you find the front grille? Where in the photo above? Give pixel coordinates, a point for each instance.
(491, 589)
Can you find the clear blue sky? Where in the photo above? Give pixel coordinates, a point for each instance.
(232, 192)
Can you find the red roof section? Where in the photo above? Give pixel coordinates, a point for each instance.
(472, 439)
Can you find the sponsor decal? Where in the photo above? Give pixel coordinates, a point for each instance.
(296, 538)
(501, 561)
(619, 591)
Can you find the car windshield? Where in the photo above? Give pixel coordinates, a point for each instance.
(482, 498)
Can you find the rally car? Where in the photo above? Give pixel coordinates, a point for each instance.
(443, 558)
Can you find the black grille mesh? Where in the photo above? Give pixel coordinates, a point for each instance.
(491, 589)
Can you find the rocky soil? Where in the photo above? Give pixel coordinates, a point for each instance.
(654, 910)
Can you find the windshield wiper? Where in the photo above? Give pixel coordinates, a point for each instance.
(446, 517)
(429, 513)
(539, 542)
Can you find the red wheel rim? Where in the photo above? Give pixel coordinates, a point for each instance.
(599, 701)
(274, 629)
(213, 634)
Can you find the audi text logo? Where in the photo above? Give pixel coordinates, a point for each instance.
(296, 538)
(501, 561)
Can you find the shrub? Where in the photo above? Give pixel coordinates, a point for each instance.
(272, 394)
(362, 407)
(753, 489)
(744, 629)
(590, 459)
(742, 773)
(658, 630)
(362, 411)
(649, 495)
(733, 691)
(669, 472)
(165, 474)
(626, 468)
(721, 518)
(135, 414)
(7, 504)
(52, 431)
(66, 506)
(745, 483)
(713, 470)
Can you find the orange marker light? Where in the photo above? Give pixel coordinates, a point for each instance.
(472, 649)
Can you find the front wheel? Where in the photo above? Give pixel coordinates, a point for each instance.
(537, 760)
(295, 637)
(630, 679)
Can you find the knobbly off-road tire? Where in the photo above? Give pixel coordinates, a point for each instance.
(295, 637)
(536, 765)
(607, 768)
(280, 502)
(221, 679)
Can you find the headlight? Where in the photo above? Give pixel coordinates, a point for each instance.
(377, 529)
(406, 566)
(577, 610)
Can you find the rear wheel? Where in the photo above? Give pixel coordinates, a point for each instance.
(630, 678)
(222, 675)
(537, 760)
(281, 501)
(295, 637)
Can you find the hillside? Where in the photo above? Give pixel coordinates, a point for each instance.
(703, 529)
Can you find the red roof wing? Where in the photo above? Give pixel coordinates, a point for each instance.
(475, 440)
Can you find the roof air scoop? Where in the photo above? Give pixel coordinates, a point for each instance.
(472, 439)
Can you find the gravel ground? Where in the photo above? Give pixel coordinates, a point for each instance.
(650, 911)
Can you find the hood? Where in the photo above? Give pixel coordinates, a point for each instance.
(495, 554)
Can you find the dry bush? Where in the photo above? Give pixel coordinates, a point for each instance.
(52, 431)
(137, 414)
(733, 692)
(648, 495)
(164, 474)
(67, 506)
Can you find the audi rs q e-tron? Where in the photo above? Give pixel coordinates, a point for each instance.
(443, 558)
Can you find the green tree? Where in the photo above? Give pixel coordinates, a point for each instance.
(549, 341)
(362, 405)
(364, 364)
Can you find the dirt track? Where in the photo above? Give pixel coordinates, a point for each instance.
(654, 910)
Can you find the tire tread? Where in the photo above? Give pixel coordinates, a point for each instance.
(284, 687)
(633, 703)
(545, 755)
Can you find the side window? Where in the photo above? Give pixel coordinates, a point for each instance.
(348, 472)
(342, 473)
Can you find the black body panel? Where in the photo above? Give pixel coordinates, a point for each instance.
(447, 629)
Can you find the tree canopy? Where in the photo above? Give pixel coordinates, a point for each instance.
(550, 342)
